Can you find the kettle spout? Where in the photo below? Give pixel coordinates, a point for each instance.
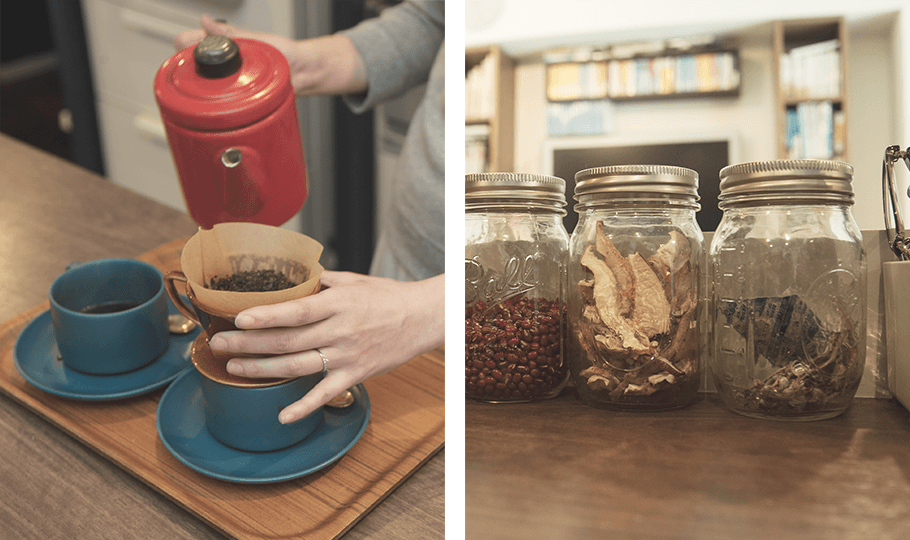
(237, 175)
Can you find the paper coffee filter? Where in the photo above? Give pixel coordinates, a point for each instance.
(228, 248)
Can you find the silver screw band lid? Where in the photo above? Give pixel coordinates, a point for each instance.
(642, 182)
(786, 181)
(521, 190)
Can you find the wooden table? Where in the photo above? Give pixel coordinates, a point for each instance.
(53, 213)
(562, 470)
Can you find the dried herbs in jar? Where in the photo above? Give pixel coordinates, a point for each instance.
(634, 283)
(789, 290)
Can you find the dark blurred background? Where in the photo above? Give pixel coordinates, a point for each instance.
(31, 99)
(46, 96)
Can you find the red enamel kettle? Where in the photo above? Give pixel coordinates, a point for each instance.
(231, 122)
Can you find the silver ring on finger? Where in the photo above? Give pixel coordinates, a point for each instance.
(325, 361)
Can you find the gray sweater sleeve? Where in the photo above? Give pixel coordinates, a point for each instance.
(398, 49)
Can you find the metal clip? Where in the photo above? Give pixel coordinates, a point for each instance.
(898, 238)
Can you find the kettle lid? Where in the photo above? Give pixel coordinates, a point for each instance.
(222, 83)
(217, 56)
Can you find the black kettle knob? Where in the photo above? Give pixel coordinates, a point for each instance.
(217, 56)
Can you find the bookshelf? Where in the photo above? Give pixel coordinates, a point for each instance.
(810, 70)
(489, 108)
(705, 73)
(583, 86)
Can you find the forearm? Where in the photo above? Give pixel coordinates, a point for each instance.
(398, 49)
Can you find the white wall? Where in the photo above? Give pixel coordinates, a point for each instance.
(526, 26)
(873, 118)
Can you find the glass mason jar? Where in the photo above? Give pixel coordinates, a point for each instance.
(789, 290)
(515, 260)
(635, 283)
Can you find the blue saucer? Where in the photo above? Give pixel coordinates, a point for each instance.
(181, 427)
(36, 358)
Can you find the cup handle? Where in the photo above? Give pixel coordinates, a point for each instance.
(181, 305)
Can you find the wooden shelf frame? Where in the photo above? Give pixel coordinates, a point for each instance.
(793, 33)
(502, 123)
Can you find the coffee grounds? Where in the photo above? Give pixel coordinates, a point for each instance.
(252, 281)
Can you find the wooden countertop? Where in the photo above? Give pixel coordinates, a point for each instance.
(53, 213)
(562, 470)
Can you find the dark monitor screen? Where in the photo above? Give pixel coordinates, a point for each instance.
(706, 158)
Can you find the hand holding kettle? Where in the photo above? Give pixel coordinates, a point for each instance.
(319, 66)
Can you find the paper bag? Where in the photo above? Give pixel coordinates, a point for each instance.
(896, 284)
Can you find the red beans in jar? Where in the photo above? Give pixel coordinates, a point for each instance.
(514, 350)
(516, 250)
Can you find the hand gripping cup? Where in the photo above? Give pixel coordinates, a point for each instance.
(242, 412)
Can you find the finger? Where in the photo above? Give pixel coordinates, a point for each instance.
(331, 278)
(272, 341)
(308, 310)
(289, 365)
(211, 26)
(190, 37)
(297, 312)
(315, 398)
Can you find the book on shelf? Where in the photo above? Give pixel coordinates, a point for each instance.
(812, 71)
(479, 88)
(657, 76)
(476, 148)
(665, 75)
(840, 133)
(706, 73)
(815, 130)
(562, 82)
(571, 81)
(686, 74)
(644, 77)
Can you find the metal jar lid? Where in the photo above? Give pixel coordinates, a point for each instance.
(786, 182)
(641, 183)
(518, 191)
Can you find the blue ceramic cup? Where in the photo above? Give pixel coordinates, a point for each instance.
(247, 418)
(243, 413)
(109, 316)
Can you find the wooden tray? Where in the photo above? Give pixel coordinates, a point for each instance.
(406, 428)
